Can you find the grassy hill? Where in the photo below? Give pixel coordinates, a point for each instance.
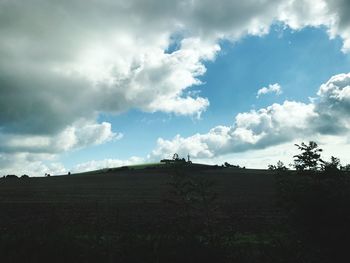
(148, 213)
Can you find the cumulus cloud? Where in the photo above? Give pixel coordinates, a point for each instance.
(75, 136)
(74, 59)
(30, 163)
(279, 123)
(106, 163)
(63, 62)
(37, 154)
(272, 88)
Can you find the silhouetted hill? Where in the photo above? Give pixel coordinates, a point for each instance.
(171, 213)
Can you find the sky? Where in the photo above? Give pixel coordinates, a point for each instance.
(93, 84)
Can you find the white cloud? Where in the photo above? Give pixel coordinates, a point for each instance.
(64, 61)
(260, 158)
(106, 163)
(257, 137)
(78, 135)
(67, 61)
(328, 115)
(272, 88)
(36, 154)
(30, 163)
(252, 130)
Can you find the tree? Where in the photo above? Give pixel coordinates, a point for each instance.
(310, 157)
(333, 166)
(345, 168)
(175, 157)
(226, 164)
(279, 167)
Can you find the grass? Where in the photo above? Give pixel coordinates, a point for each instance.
(132, 215)
(109, 170)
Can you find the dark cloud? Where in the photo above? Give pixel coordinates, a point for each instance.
(64, 62)
(32, 103)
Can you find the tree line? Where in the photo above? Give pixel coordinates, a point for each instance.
(310, 160)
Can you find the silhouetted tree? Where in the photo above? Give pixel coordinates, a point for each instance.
(333, 166)
(175, 157)
(310, 157)
(279, 167)
(345, 168)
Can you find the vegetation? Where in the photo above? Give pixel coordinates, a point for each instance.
(309, 158)
(279, 167)
(317, 204)
(194, 200)
(168, 214)
(228, 165)
(318, 209)
(181, 212)
(332, 167)
(345, 168)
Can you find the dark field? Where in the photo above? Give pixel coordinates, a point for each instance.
(136, 215)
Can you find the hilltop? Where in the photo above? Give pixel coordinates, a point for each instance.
(171, 213)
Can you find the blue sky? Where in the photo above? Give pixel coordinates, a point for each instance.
(300, 61)
(114, 84)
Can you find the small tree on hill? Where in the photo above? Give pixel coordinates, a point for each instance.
(279, 167)
(226, 164)
(345, 168)
(333, 165)
(310, 157)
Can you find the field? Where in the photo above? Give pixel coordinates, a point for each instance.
(144, 215)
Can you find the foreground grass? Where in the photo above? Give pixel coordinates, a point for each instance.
(198, 214)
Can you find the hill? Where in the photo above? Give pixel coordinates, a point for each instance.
(156, 213)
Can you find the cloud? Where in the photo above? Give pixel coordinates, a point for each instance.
(272, 88)
(260, 158)
(30, 163)
(76, 136)
(328, 115)
(269, 131)
(36, 154)
(106, 163)
(66, 62)
(333, 105)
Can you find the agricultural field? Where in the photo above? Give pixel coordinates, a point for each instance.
(192, 213)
